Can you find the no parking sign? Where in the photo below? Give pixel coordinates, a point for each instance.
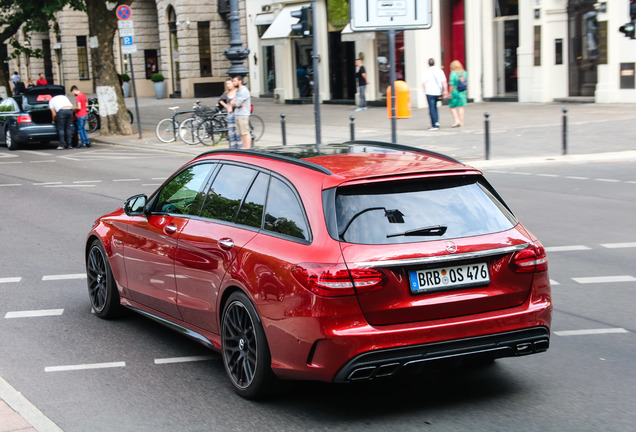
(123, 12)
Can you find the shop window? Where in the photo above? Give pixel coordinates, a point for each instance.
(82, 58)
(205, 57)
(537, 45)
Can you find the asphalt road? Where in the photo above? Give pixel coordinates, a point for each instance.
(151, 379)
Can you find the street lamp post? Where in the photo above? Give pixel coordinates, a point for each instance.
(236, 54)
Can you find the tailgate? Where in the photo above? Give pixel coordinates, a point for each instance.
(427, 282)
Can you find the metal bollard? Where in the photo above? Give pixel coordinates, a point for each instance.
(282, 127)
(565, 132)
(352, 128)
(487, 134)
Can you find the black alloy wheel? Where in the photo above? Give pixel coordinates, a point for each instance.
(245, 352)
(102, 290)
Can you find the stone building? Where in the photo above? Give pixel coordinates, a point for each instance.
(528, 51)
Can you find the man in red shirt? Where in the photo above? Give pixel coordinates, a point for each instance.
(41, 80)
(82, 114)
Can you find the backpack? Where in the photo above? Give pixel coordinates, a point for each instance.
(461, 84)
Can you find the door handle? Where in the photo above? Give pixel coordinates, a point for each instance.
(170, 229)
(226, 243)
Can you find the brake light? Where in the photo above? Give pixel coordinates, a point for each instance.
(530, 260)
(24, 118)
(335, 280)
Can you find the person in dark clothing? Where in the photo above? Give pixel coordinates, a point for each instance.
(62, 112)
(361, 78)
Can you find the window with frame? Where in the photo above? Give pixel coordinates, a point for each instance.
(227, 192)
(82, 58)
(251, 212)
(284, 213)
(184, 193)
(205, 53)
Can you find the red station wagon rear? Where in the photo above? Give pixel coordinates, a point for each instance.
(338, 262)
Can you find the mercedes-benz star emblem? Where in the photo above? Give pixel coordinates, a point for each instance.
(450, 247)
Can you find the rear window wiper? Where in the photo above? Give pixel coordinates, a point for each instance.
(436, 230)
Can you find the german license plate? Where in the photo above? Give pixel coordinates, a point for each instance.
(449, 277)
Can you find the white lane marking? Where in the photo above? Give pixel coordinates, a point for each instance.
(590, 332)
(7, 163)
(70, 186)
(37, 152)
(553, 282)
(10, 184)
(84, 366)
(576, 178)
(607, 180)
(34, 313)
(566, 248)
(619, 245)
(26, 409)
(46, 183)
(631, 182)
(126, 180)
(547, 175)
(64, 277)
(87, 181)
(44, 161)
(183, 359)
(604, 279)
(10, 279)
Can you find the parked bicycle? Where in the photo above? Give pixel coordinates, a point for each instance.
(188, 127)
(93, 121)
(167, 129)
(214, 129)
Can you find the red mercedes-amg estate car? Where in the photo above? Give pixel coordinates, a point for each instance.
(337, 263)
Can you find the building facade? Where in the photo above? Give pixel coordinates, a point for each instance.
(519, 50)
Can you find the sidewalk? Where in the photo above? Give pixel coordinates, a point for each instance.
(520, 134)
(517, 131)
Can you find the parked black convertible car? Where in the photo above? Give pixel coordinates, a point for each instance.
(26, 119)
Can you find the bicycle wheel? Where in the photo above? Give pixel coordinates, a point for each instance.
(257, 127)
(166, 130)
(206, 133)
(92, 122)
(188, 130)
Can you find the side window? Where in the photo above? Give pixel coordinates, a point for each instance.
(284, 213)
(227, 192)
(251, 212)
(183, 195)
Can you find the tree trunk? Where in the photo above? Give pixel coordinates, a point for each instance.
(6, 33)
(102, 24)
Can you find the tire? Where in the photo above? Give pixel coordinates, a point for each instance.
(210, 132)
(188, 130)
(257, 127)
(165, 130)
(8, 140)
(92, 122)
(102, 289)
(244, 349)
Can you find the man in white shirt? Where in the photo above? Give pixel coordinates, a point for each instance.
(243, 108)
(435, 85)
(62, 112)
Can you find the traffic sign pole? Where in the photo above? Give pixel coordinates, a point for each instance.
(127, 31)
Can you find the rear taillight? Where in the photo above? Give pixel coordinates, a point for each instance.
(24, 118)
(335, 280)
(530, 260)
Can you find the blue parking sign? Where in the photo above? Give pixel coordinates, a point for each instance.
(127, 40)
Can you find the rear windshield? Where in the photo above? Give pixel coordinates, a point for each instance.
(422, 210)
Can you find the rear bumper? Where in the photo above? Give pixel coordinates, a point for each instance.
(36, 133)
(382, 363)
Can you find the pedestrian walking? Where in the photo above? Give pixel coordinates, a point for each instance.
(361, 78)
(81, 109)
(242, 105)
(41, 80)
(19, 87)
(62, 112)
(226, 102)
(435, 86)
(458, 86)
(15, 78)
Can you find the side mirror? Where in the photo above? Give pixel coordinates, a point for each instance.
(136, 205)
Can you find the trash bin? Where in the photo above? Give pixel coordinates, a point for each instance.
(402, 100)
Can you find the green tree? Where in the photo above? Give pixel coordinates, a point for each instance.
(27, 16)
(102, 26)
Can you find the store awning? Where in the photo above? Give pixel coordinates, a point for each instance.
(265, 18)
(348, 35)
(279, 30)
